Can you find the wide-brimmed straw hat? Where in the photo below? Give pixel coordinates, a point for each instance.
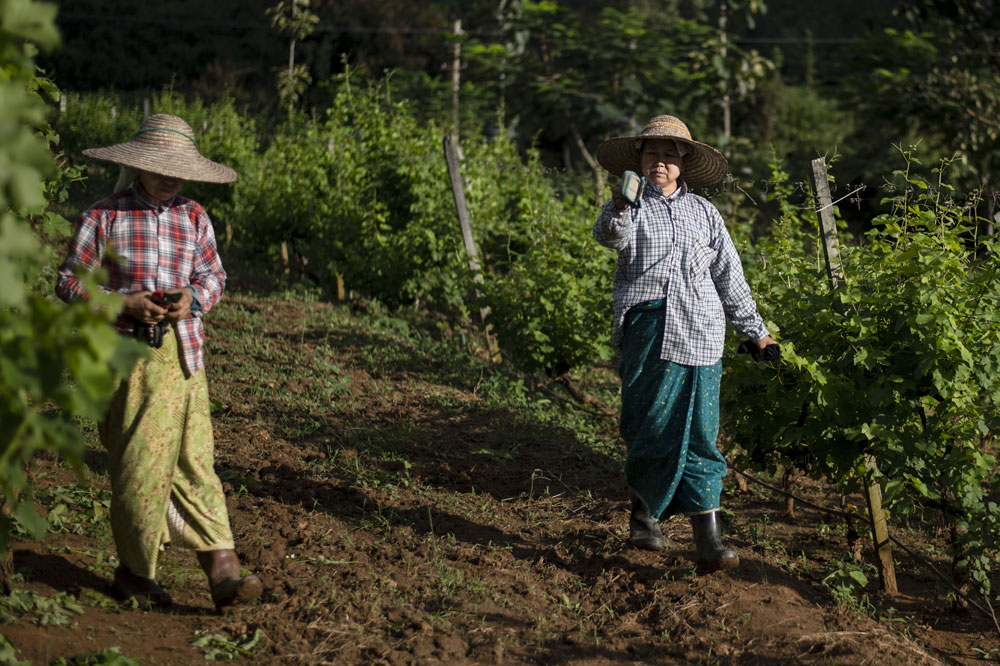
(165, 145)
(703, 165)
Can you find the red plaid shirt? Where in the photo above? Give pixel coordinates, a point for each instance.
(149, 245)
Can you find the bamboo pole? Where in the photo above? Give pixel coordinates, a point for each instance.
(465, 221)
(835, 275)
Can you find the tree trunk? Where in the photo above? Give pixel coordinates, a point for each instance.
(788, 483)
(599, 176)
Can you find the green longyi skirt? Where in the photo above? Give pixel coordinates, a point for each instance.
(669, 421)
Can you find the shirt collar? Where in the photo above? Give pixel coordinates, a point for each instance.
(146, 199)
(657, 191)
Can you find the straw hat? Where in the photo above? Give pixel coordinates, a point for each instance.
(165, 145)
(703, 166)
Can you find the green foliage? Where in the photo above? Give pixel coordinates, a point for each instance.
(940, 70)
(899, 364)
(218, 647)
(111, 656)
(365, 193)
(8, 654)
(847, 582)
(551, 310)
(563, 73)
(293, 19)
(41, 343)
(59, 609)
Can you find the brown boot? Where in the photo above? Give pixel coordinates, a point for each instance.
(227, 586)
(144, 590)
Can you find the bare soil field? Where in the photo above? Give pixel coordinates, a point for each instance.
(403, 508)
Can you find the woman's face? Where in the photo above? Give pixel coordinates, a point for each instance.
(661, 162)
(160, 187)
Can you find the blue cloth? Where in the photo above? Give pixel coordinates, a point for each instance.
(195, 302)
(677, 247)
(669, 421)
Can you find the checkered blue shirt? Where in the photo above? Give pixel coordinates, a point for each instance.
(154, 245)
(677, 248)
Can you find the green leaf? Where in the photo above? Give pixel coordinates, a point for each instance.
(26, 514)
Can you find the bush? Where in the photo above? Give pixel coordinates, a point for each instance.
(57, 363)
(900, 364)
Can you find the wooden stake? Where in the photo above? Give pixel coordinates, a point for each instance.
(880, 531)
(827, 224)
(458, 191)
(456, 75)
(341, 290)
(835, 274)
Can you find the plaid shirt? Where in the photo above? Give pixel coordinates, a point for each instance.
(149, 245)
(677, 248)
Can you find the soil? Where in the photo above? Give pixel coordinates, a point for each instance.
(414, 520)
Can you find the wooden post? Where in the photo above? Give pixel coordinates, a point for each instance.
(726, 113)
(341, 289)
(458, 191)
(835, 274)
(456, 76)
(827, 224)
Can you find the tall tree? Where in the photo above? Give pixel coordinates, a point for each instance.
(938, 78)
(571, 79)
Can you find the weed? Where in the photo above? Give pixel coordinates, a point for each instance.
(45, 611)
(108, 657)
(8, 654)
(573, 606)
(847, 582)
(220, 648)
(986, 654)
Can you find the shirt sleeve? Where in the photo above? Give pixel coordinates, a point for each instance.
(208, 278)
(731, 285)
(86, 252)
(613, 228)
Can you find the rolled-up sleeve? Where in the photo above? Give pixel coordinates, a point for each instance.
(86, 253)
(207, 276)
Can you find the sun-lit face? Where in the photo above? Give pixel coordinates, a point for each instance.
(160, 187)
(661, 162)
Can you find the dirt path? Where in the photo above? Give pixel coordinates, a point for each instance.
(400, 512)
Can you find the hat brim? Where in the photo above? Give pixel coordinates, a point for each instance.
(184, 164)
(704, 166)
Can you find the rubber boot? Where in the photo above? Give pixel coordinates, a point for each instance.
(710, 554)
(228, 588)
(644, 530)
(144, 590)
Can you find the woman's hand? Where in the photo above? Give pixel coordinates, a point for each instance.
(142, 309)
(764, 342)
(618, 198)
(181, 308)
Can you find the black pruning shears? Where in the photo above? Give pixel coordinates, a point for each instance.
(632, 185)
(771, 354)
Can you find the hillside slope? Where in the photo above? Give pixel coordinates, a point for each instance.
(407, 504)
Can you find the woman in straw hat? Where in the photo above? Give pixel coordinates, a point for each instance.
(160, 253)
(677, 280)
